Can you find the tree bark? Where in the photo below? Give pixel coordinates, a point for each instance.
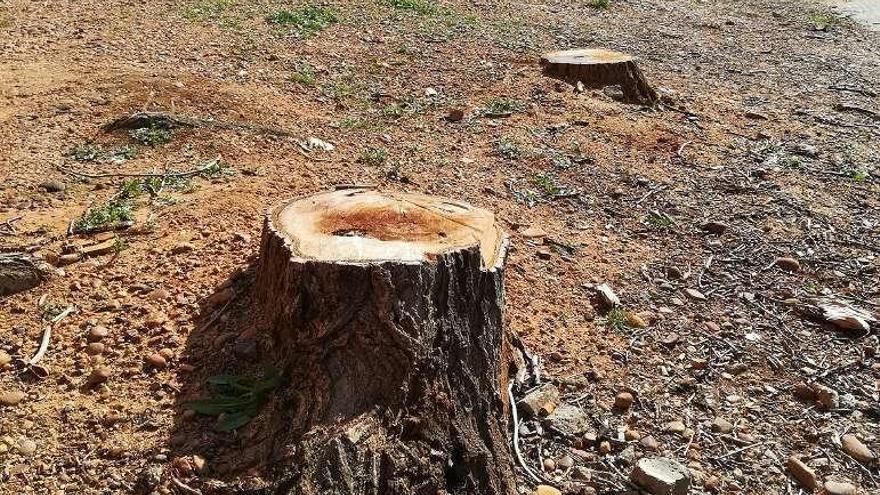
(389, 308)
(597, 68)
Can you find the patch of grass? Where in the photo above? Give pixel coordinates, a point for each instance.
(123, 153)
(861, 176)
(207, 9)
(236, 399)
(548, 185)
(421, 7)
(599, 4)
(659, 221)
(374, 157)
(304, 74)
(501, 107)
(151, 136)
(339, 90)
(823, 20)
(403, 108)
(508, 148)
(616, 319)
(115, 211)
(306, 21)
(85, 152)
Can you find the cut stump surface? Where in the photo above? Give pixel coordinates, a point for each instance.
(388, 312)
(597, 68)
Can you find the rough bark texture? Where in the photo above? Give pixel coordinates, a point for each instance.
(396, 372)
(597, 68)
(19, 272)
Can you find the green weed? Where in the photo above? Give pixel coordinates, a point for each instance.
(616, 319)
(207, 9)
(501, 107)
(374, 157)
(508, 148)
(151, 136)
(861, 176)
(236, 399)
(599, 4)
(306, 21)
(304, 75)
(421, 7)
(85, 152)
(659, 221)
(115, 211)
(548, 185)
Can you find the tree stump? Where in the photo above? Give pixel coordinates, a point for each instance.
(389, 308)
(597, 68)
(20, 272)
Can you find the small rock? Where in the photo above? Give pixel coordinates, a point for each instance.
(804, 392)
(53, 186)
(857, 450)
(721, 425)
(605, 447)
(540, 402)
(649, 443)
(97, 333)
(840, 488)
(99, 375)
(788, 264)
(608, 297)
(95, 348)
(26, 447)
(804, 475)
(623, 401)
(631, 435)
(635, 321)
(581, 473)
(159, 294)
(455, 115)
(827, 397)
(546, 490)
(534, 232)
(183, 247)
(675, 427)
(549, 465)
(716, 228)
(695, 294)
(431, 92)
(11, 397)
(5, 359)
(565, 462)
(661, 476)
(570, 420)
(627, 456)
(156, 361)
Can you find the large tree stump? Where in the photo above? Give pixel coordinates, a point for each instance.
(389, 308)
(597, 68)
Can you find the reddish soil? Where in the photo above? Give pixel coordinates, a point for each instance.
(768, 125)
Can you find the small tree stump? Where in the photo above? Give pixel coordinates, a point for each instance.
(597, 68)
(20, 272)
(389, 308)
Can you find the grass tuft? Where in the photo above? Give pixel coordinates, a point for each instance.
(306, 21)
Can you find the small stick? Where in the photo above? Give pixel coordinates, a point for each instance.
(519, 456)
(737, 451)
(47, 336)
(190, 173)
(186, 488)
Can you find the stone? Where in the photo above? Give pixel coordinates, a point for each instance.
(607, 296)
(623, 401)
(5, 359)
(661, 476)
(159, 294)
(53, 186)
(695, 294)
(26, 446)
(856, 449)
(631, 435)
(802, 473)
(635, 320)
(182, 247)
(788, 264)
(840, 488)
(546, 490)
(95, 348)
(540, 402)
(549, 465)
(713, 227)
(97, 333)
(569, 420)
(675, 427)
(157, 361)
(649, 443)
(827, 397)
(804, 392)
(605, 447)
(11, 397)
(721, 425)
(99, 375)
(455, 115)
(581, 473)
(565, 462)
(534, 232)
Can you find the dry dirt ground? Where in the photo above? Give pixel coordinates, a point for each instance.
(769, 128)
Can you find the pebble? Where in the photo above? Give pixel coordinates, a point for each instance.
(565, 462)
(840, 488)
(635, 320)
(856, 449)
(649, 443)
(695, 294)
(721, 425)
(788, 264)
(26, 446)
(712, 326)
(99, 375)
(546, 490)
(540, 402)
(632, 435)
(11, 397)
(827, 397)
(455, 115)
(675, 427)
(97, 333)
(804, 475)
(714, 227)
(158, 295)
(661, 476)
(53, 186)
(623, 401)
(95, 348)
(549, 465)
(183, 247)
(533, 232)
(605, 447)
(157, 361)
(5, 359)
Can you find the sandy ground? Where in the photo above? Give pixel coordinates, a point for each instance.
(768, 129)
